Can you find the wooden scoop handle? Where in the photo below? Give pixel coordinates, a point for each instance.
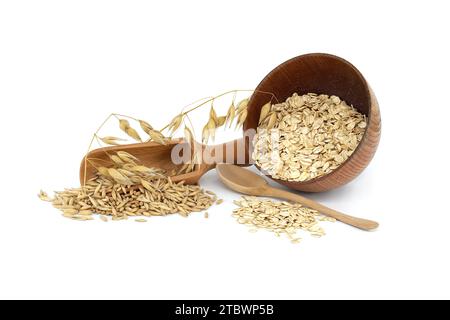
(233, 152)
(353, 221)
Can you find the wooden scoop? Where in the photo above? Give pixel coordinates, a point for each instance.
(151, 154)
(247, 182)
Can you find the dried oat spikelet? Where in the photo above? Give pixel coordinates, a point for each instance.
(175, 123)
(133, 133)
(242, 106)
(210, 129)
(221, 121)
(142, 169)
(126, 172)
(145, 126)
(113, 141)
(157, 137)
(147, 185)
(118, 177)
(126, 157)
(213, 116)
(272, 120)
(154, 135)
(103, 171)
(205, 134)
(230, 115)
(188, 136)
(116, 159)
(241, 118)
(264, 112)
(125, 126)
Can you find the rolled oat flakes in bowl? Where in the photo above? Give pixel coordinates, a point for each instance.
(326, 119)
(311, 136)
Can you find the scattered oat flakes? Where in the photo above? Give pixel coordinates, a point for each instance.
(278, 217)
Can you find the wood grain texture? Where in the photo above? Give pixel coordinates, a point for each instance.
(324, 74)
(152, 154)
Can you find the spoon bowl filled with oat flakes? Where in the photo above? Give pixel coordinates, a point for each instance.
(320, 129)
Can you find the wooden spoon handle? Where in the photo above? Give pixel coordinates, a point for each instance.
(353, 221)
(233, 152)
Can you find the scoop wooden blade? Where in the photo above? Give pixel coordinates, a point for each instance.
(150, 154)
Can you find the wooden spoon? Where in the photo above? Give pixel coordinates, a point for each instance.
(152, 154)
(247, 182)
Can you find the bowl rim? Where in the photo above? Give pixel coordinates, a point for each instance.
(369, 116)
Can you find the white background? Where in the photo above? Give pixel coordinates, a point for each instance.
(65, 65)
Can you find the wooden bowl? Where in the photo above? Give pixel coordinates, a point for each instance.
(327, 74)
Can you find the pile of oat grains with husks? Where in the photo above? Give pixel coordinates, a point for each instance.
(130, 189)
